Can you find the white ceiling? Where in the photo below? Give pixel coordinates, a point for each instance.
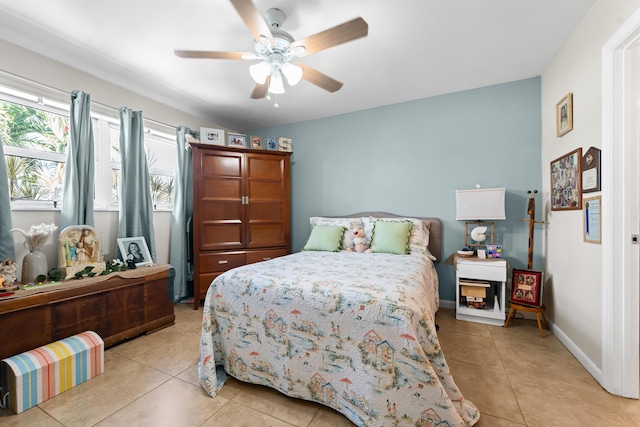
(415, 49)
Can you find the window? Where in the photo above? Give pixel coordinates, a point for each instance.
(35, 131)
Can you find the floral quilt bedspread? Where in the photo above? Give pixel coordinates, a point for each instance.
(352, 331)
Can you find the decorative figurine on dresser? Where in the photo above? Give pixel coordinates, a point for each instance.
(78, 248)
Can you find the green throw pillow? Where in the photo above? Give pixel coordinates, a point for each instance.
(325, 238)
(391, 237)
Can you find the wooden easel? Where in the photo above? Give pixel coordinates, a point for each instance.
(539, 311)
(531, 211)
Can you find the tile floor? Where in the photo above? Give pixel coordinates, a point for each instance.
(514, 377)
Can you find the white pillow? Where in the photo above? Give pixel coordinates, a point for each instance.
(348, 223)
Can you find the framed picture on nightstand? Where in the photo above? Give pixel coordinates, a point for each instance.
(526, 288)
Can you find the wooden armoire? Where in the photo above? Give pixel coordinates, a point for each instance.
(241, 210)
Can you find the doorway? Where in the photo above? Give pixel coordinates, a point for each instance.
(621, 210)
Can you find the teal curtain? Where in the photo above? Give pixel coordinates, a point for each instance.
(78, 190)
(7, 249)
(136, 207)
(180, 252)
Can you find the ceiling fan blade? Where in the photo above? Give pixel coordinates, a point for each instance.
(253, 19)
(210, 54)
(260, 91)
(339, 34)
(317, 78)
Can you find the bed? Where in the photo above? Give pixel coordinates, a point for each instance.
(353, 331)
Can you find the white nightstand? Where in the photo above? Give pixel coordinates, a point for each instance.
(489, 275)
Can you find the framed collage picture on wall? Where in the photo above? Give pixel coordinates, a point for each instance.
(566, 182)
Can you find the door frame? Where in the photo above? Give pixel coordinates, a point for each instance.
(620, 210)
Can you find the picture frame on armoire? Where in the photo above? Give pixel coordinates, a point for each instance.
(236, 140)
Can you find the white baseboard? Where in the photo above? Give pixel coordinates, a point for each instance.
(595, 372)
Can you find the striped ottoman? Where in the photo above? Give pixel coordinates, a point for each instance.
(34, 376)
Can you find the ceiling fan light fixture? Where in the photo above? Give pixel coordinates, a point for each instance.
(275, 85)
(260, 71)
(298, 50)
(292, 72)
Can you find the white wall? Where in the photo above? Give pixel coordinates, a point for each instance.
(573, 268)
(34, 67)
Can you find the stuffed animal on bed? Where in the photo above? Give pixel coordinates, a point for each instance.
(359, 241)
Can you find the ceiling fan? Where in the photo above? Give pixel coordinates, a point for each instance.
(276, 49)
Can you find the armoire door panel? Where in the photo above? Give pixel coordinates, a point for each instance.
(265, 190)
(221, 164)
(265, 211)
(263, 235)
(221, 235)
(215, 210)
(264, 166)
(222, 189)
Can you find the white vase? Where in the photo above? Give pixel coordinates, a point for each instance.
(33, 264)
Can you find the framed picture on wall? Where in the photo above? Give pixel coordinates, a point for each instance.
(564, 115)
(566, 182)
(592, 225)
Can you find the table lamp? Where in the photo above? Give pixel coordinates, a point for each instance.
(479, 207)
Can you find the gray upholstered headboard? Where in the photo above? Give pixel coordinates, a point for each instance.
(435, 232)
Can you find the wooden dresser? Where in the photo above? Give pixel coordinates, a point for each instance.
(241, 210)
(117, 307)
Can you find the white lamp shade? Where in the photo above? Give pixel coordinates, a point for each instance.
(292, 72)
(260, 71)
(480, 204)
(276, 86)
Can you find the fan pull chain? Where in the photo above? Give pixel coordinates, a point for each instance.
(276, 104)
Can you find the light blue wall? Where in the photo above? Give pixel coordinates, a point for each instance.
(410, 158)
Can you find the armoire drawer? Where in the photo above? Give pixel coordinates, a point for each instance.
(264, 255)
(220, 261)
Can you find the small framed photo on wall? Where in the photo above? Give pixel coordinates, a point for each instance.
(211, 136)
(564, 115)
(236, 140)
